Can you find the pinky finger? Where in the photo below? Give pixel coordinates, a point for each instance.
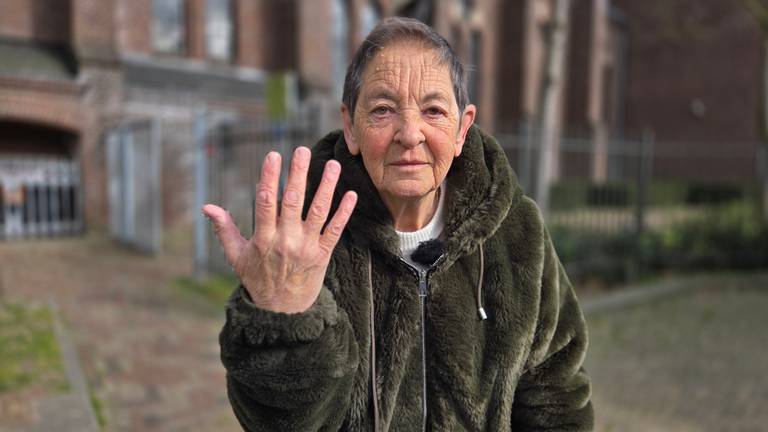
(335, 227)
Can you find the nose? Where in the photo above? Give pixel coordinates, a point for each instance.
(410, 130)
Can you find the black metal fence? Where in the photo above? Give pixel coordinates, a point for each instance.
(39, 197)
(598, 188)
(230, 156)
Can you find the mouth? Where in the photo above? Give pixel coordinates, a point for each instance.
(405, 163)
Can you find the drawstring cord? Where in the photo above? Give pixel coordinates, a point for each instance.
(373, 349)
(479, 299)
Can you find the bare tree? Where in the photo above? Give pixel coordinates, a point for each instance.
(552, 87)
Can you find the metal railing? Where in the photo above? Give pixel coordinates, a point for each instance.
(39, 197)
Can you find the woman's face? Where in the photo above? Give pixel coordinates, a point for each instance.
(406, 124)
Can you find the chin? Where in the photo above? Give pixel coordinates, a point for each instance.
(410, 192)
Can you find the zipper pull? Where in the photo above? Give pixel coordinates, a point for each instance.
(422, 283)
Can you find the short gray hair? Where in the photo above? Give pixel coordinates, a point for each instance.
(397, 29)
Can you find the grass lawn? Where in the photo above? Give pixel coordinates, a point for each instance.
(31, 367)
(30, 354)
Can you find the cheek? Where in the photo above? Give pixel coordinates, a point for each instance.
(375, 146)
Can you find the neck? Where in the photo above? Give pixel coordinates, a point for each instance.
(412, 214)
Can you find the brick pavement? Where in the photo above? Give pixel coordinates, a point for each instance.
(153, 361)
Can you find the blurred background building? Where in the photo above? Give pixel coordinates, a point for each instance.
(99, 99)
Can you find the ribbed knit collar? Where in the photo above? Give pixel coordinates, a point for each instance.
(409, 241)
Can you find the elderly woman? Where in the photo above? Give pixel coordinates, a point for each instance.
(404, 282)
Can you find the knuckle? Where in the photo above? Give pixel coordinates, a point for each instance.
(335, 229)
(291, 199)
(319, 210)
(265, 198)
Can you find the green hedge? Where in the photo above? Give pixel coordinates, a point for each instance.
(572, 194)
(730, 237)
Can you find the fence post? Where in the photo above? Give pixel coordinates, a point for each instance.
(201, 193)
(645, 170)
(156, 185)
(762, 178)
(525, 161)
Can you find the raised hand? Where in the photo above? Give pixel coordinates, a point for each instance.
(283, 265)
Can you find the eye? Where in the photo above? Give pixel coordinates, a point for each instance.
(434, 112)
(381, 110)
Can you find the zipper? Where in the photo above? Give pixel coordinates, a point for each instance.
(422, 300)
(423, 287)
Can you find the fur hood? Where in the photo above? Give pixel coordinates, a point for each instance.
(388, 348)
(481, 190)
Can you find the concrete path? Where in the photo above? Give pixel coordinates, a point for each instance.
(681, 356)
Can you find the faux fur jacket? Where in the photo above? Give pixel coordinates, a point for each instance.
(438, 365)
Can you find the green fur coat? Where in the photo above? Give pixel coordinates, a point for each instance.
(438, 365)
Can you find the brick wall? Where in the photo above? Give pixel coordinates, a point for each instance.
(93, 25)
(41, 20)
(688, 51)
(251, 34)
(133, 26)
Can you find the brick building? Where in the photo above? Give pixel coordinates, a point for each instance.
(72, 69)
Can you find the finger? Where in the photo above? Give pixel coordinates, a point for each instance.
(293, 198)
(266, 197)
(335, 227)
(226, 230)
(321, 203)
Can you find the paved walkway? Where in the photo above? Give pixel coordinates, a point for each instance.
(152, 361)
(679, 357)
(691, 358)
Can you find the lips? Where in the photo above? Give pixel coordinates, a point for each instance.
(408, 163)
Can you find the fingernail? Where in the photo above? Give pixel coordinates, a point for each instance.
(301, 152)
(271, 157)
(333, 168)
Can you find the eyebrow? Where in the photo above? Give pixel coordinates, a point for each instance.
(383, 94)
(388, 95)
(435, 96)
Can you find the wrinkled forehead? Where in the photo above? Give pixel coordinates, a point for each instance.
(407, 65)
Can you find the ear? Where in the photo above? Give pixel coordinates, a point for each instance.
(467, 119)
(349, 136)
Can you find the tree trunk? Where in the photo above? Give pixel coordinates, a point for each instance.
(550, 99)
(762, 154)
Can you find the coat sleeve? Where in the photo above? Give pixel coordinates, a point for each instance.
(288, 371)
(554, 392)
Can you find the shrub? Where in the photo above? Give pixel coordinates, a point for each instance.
(730, 237)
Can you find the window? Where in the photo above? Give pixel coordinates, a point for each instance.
(219, 29)
(467, 7)
(168, 26)
(339, 44)
(475, 57)
(368, 19)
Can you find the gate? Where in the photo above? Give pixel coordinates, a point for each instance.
(133, 169)
(39, 197)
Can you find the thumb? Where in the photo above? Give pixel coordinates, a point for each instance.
(226, 230)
